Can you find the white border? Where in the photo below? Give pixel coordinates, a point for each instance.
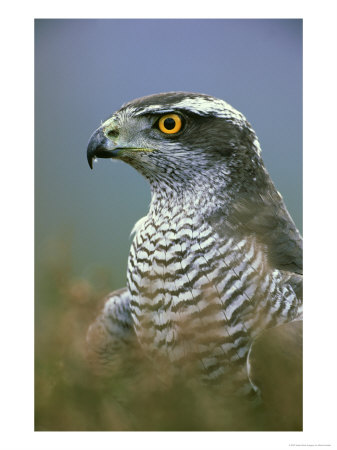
(320, 121)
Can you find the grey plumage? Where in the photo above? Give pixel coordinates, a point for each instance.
(218, 259)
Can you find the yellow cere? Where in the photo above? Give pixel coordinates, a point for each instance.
(170, 123)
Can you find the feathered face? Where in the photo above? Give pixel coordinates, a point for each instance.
(174, 138)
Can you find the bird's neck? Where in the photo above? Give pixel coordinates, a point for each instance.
(201, 194)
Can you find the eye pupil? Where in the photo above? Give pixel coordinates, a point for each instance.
(169, 123)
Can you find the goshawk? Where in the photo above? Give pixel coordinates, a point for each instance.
(215, 267)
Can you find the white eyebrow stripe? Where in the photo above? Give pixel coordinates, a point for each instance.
(137, 111)
(217, 107)
(199, 105)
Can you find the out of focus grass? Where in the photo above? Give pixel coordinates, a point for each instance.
(68, 396)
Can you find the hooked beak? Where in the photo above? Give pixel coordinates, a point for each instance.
(101, 147)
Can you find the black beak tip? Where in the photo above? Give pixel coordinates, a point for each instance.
(93, 144)
(90, 160)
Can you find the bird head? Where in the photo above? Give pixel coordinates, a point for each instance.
(178, 138)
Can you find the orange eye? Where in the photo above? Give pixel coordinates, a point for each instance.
(170, 123)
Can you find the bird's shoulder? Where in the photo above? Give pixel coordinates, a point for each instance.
(264, 216)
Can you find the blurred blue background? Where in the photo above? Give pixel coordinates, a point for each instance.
(86, 69)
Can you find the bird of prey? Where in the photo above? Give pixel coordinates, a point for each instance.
(215, 267)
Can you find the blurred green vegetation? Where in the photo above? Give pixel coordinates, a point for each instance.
(70, 397)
